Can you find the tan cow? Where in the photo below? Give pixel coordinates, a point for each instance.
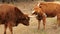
(46, 9)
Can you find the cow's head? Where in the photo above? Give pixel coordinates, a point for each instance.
(22, 18)
(26, 20)
(36, 10)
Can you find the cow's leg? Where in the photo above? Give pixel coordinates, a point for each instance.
(38, 24)
(44, 21)
(58, 19)
(10, 28)
(5, 28)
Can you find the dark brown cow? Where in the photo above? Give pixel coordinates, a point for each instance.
(11, 16)
(46, 9)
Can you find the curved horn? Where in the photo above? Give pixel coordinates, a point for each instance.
(32, 16)
(38, 4)
(33, 12)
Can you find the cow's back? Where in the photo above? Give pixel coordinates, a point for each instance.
(50, 8)
(7, 13)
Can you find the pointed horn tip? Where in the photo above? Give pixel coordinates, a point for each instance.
(33, 11)
(32, 16)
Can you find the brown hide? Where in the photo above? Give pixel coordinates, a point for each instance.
(51, 9)
(46, 9)
(10, 13)
(11, 16)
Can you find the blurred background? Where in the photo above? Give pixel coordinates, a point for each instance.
(24, 0)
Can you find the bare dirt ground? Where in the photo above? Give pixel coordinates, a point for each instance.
(26, 7)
